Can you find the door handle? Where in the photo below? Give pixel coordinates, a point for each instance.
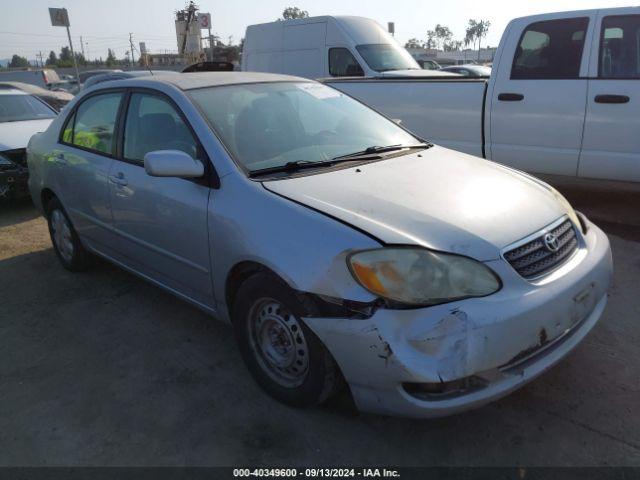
(59, 159)
(510, 97)
(612, 99)
(118, 179)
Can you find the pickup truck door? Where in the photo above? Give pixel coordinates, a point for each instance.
(538, 98)
(161, 222)
(611, 145)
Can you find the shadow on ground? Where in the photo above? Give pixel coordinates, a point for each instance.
(101, 368)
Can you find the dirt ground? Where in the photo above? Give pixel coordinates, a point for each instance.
(101, 368)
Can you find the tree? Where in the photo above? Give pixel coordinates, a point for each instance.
(18, 61)
(476, 31)
(81, 60)
(111, 58)
(431, 40)
(443, 35)
(414, 43)
(52, 61)
(453, 45)
(65, 54)
(481, 32)
(291, 13)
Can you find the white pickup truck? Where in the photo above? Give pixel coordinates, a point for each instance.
(563, 98)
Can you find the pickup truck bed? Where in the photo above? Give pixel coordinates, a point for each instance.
(449, 112)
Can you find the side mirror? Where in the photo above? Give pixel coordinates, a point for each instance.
(172, 163)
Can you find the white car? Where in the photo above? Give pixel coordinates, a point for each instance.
(21, 115)
(338, 244)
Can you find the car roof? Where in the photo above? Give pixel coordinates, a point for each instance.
(12, 91)
(190, 81)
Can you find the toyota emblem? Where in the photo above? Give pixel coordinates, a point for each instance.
(551, 242)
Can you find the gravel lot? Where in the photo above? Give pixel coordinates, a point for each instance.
(101, 368)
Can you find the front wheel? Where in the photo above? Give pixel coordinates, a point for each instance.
(284, 356)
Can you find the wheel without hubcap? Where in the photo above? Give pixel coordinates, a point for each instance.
(284, 356)
(278, 342)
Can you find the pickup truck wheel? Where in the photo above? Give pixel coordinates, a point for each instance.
(284, 356)
(67, 245)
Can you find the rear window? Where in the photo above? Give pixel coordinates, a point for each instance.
(17, 108)
(550, 50)
(620, 47)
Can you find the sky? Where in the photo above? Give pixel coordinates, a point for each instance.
(25, 26)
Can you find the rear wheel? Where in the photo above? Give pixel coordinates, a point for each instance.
(284, 356)
(66, 243)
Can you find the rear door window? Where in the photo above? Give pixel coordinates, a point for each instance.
(94, 123)
(342, 63)
(620, 47)
(550, 50)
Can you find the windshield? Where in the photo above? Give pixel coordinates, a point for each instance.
(266, 125)
(15, 108)
(387, 56)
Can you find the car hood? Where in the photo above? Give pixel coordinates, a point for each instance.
(417, 73)
(17, 134)
(436, 198)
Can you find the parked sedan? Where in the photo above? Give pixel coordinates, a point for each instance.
(339, 245)
(119, 75)
(55, 99)
(475, 71)
(21, 115)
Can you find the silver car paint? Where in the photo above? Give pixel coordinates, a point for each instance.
(411, 200)
(440, 199)
(15, 135)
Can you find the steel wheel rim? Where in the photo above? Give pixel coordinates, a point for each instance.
(278, 342)
(61, 233)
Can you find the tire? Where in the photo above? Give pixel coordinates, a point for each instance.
(66, 244)
(266, 330)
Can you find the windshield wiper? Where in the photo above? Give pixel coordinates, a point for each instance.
(295, 166)
(375, 151)
(368, 153)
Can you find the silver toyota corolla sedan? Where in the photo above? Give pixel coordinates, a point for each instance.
(341, 247)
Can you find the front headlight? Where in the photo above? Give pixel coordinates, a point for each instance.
(421, 277)
(5, 161)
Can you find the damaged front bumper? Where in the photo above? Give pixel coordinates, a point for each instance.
(448, 358)
(14, 174)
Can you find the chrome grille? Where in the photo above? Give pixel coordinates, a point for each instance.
(535, 258)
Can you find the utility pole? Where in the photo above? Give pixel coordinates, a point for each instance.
(210, 43)
(131, 43)
(40, 55)
(82, 47)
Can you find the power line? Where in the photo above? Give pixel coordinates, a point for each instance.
(96, 37)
